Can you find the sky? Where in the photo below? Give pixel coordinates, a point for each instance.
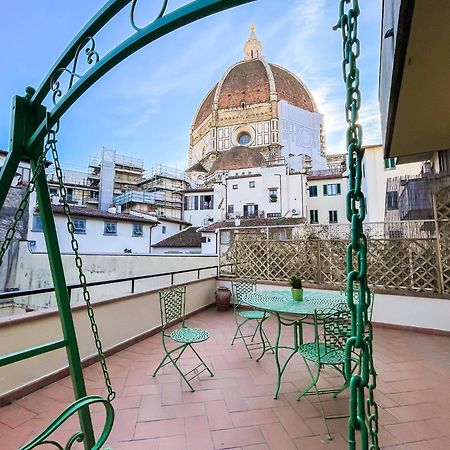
(144, 107)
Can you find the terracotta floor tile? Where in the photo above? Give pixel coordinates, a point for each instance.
(230, 438)
(159, 428)
(14, 415)
(218, 415)
(198, 434)
(235, 408)
(173, 443)
(254, 417)
(292, 422)
(277, 437)
(321, 443)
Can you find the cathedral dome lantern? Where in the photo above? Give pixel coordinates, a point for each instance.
(260, 105)
(253, 47)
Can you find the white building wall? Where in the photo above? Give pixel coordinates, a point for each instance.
(300, 134)
(164, 230)
(297, 195)
(264, 178)
(200, 217)
(209, 244)
(374, 180)
(94, 241)
(325, 203)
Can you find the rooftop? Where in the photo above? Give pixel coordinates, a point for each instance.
(235, 408)
(185, 238)
(257, 222)
(96, 213)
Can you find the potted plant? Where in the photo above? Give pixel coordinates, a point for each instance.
(297, 288)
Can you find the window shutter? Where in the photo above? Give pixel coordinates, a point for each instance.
(325, 189)
(185, 203)
(196, 202)
(202, 202)
(338, 188)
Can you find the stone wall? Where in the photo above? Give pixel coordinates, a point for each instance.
(7, 213)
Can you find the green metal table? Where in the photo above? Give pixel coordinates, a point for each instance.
(290, 313)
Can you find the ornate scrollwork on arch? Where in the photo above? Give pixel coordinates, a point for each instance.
(92, 57)
(133, 11)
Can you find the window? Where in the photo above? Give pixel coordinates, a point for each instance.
(390, 163)
(251, 184)
(53, 191)
(206, 201)
(250, 210)
(235, 186)
(444, 160)
(70, 195)
(79, 226)
(332, 216)
(332, 189)
(191, 202)
(244, 138)
(313, 191)
(230, 209)
(37, 223)
(314, 216)
(273, 195)
(138, 229)
(110, 229)
(391, 200)
(163, 229)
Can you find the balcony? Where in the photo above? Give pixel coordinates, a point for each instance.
(235, 408)
(416, 200)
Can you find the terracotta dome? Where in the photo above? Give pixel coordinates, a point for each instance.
(238, 158)
(253, 81)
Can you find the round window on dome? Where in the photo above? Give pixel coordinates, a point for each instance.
(244, 138)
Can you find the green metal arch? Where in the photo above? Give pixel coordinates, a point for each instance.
(161, 26)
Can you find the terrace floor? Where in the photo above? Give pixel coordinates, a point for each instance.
(235, 409)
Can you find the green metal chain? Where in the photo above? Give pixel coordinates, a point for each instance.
(51, 145)
(22, 207)
(362, 420)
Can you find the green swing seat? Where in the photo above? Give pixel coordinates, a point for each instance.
(173, 308)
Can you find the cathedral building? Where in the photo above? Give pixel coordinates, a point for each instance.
(254, 138)
(262, 106)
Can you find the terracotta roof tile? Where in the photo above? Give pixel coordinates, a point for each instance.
(186, 238)
(258, 222)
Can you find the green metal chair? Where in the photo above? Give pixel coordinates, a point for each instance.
(332, 327)
(240, 288)
(173, 306)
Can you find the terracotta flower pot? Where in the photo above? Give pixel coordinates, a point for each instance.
(223, 298)
(297, 294)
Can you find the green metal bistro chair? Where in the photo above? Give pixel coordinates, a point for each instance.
(332, 328)
(173, 306)
(240, 288)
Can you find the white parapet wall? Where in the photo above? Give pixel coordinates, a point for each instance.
(120, 321)
(409, 311)
(31, 271)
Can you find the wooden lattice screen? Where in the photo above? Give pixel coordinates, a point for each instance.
(419, 264)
